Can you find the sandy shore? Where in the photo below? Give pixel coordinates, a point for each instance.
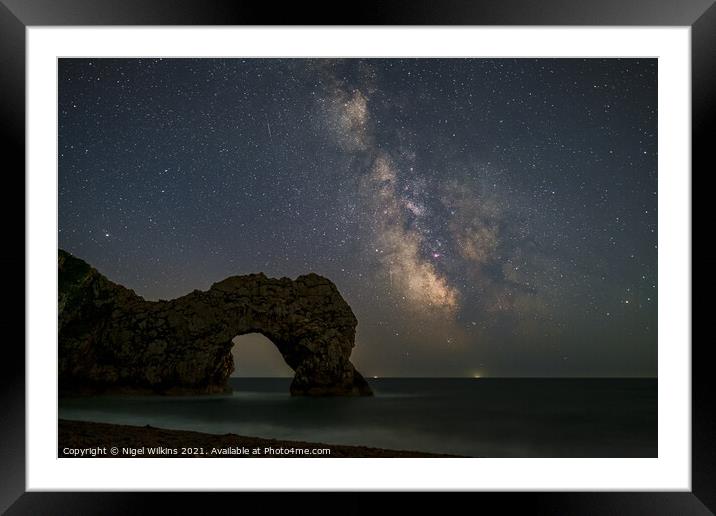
(85, 439)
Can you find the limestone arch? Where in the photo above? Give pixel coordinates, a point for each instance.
(256, 356)
(109, 337)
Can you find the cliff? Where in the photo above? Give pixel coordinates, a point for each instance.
(111, 339)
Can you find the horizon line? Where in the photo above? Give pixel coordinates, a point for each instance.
(481, 377)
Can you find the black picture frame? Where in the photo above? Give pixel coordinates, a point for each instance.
(17, 15)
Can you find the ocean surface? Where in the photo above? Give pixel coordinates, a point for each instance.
(485, 417)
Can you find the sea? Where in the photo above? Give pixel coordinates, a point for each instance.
(475, 417)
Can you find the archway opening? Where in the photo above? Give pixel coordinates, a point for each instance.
(255, 356)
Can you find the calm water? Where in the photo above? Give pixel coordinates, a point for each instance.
(475, 417)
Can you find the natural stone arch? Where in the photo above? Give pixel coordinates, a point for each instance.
(111, 338)
(255, 356)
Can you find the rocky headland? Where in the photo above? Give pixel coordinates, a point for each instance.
(113, 340)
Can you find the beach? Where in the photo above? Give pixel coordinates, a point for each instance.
(84, 439)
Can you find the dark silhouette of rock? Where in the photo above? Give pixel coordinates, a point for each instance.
(111, 339)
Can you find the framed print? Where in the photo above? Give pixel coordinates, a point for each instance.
(449, 250)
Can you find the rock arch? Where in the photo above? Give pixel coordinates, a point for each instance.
(112, 339)
(255, 356)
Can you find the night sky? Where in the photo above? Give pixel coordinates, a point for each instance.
(493, 217)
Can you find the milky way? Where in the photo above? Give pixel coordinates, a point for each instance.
(481, 216)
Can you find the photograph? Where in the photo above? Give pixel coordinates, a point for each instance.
(357, 257)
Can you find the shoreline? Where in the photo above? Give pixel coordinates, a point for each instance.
(85, 439)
